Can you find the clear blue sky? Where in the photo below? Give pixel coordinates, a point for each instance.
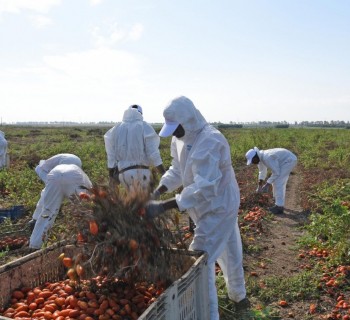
(238, 60)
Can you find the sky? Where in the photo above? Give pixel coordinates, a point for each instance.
(237, 60)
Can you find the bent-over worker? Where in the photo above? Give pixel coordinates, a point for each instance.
(63, 181)
(281, 162)
(43, 169)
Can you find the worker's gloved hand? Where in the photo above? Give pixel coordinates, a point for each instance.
(31, 224)
(259, 189)
(113, 176)
(112, 171)
(154, 209)
(155, 195)
(113, 182)
(266, 188)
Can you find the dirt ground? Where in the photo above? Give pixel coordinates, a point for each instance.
(279, 256)
(279, 239)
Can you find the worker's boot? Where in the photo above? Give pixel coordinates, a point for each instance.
(242, 305)
(31, 224)
(276, 210)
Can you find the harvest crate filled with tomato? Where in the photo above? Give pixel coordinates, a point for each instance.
(117, 265)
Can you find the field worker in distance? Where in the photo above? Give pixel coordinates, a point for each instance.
(281, 162)
(3, 150)
(63, 181)
(132, 146)
(201, 164)
(43, 169)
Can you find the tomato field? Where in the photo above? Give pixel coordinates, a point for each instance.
(303, 276)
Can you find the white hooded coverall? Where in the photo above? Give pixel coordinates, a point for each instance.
(63, 181)
(3, 150)
(133, 142)
(281, 162)
(43, 169)
(202, 165)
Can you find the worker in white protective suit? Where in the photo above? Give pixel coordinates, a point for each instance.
(281, 162)
(201, 164)
(63, 181)
(132, 147)
(3, 150)
(43, 169)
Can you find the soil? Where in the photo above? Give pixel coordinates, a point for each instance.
(279, 256)
(279, 239)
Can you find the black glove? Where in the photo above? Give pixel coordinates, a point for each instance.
(154, 209)
(113, 175)
(155, 195)
(266, 188)
(31, 224)
(113, 172)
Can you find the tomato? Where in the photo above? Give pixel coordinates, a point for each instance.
(67, 262)
(133, 245)
(93, 227)
(84, 196)
(79, 270)
(71, 274)
(283, 303)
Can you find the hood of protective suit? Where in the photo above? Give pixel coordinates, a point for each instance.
(132, 114)
(2, 134)
(137, 107)
(182, 111)
(250, 155)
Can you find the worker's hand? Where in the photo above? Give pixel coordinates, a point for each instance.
(266, 188)
(155, 195)
(154, 209)
(113, 181)
(113, 176)
(259, 189)
(113, 171)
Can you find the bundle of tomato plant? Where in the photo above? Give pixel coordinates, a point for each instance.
(119, 241)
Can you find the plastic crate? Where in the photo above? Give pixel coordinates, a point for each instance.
(186, 299)
(13, 213)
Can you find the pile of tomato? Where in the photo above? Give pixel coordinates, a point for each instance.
(96, 298)
(11, 243)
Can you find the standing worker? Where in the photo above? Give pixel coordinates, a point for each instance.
(281, 162)
(63, 181)
(43, 169)
(3, 150)
(132, 146)
(202, 165)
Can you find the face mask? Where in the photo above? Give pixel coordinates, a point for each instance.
(179, 132)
